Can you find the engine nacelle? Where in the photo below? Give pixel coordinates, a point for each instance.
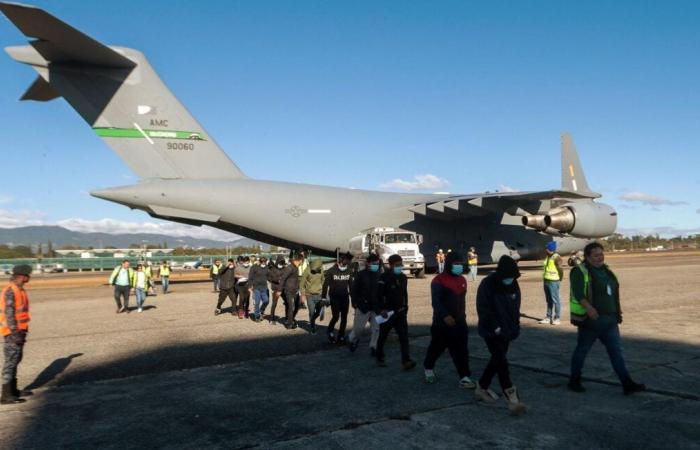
(535, 221)
(583, 219)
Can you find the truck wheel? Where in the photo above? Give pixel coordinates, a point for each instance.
(419, 273)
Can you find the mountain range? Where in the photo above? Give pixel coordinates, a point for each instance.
(60, 237)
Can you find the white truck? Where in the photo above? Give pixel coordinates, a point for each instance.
(387, 241)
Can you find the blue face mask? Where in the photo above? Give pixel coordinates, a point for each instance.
(457, 269)
(398, 270)
(374, 267)
(507, 281)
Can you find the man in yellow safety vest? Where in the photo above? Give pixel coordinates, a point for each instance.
(552, 275)
(165, 276)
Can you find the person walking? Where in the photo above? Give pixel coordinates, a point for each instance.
(122, 278)
(364, 292)
(14, 325)
(214, 274)
(449, 328)
(311, 287)
(392, 306)
(552, 275)
(140, 284)
(473, 264)
(274, 277)
(227, 282)
(148, 269)
(165, 276)
(440, 259)
(302, 268)
(289, 284)
(336, 288)
(595, 309)
(498, 306)
(258, 282)
(242, 273)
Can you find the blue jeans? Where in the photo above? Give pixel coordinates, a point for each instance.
(140, 297)
(216, 283)
(472, 273)
(551, 293)
(605, 329)
(261, 299)
(165, 281)
(441, 267)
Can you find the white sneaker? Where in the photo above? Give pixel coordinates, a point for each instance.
(546, 320)
(485, 395)
(467, 383)
(556, 322)
(140, 309)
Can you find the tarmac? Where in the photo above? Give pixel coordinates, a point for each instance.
(176, 376)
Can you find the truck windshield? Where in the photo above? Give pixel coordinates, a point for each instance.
(400, 238)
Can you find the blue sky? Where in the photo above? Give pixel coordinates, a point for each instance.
(465, 96)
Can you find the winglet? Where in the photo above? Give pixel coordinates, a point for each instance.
(572, 177)
(58, 42)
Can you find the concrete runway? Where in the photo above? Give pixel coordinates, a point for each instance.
(177, 376)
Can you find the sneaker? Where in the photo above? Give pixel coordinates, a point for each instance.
(515, 406)
(408, 364)
(331, 338)
(467, 383)
(217, 311)
(273, 320)
(341, 340)
(313, 329)
(140, 310)
(546, 320)
(121, 310)
(381, 363)
(575, 385)
(352, 346)
(556, 322)
(485, 395)
(630, 387)
(430, 377)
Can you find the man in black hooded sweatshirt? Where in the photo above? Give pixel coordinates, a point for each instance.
(498, 306)
(336, 286)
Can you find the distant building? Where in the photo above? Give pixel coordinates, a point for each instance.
(116, 253)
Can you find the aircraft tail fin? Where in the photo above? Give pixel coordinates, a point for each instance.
(572, 177)
(120, 96)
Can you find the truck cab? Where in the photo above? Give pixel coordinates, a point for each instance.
(387, 241)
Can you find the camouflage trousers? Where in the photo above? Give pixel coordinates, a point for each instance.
(13, 356)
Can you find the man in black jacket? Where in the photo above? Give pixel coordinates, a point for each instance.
(289, 284)
(392, 306)
(498, 306)
(257, 280)
(273, 277)
(227, 283)
(336, 287)
(364, 299)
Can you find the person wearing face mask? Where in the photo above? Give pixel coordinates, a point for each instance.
(392, 305)
(273, 276)
(595, 310)
(242, 273)
(498, 307)
(364, 298)
(310, 287)
(227, 281)
(449, 328)
(258, 282)
(336, 288)
(289, 283)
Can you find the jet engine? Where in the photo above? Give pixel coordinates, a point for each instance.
(580, 219)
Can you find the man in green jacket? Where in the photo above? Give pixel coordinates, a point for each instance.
(595, 309)
(122, 279)
(310, 287)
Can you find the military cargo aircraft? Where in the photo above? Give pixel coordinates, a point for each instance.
(179, 164)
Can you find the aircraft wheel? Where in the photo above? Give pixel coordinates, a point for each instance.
(419, 273)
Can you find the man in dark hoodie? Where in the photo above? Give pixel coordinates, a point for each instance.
(310, 288)
(227, 282)
(273, 277)
(289, 283)
(257, 279)
(336, 287)
(449, 329)
(392, 305)
(242, 273)
(498, 306)
(364, 292)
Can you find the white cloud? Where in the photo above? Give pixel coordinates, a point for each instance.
(113, 226)
(419, 182)
(650, 200)
(505, 188)
(24, 218)
(663, 231)
(5, 199)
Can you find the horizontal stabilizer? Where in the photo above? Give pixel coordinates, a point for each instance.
(58, 42)
(40, 91)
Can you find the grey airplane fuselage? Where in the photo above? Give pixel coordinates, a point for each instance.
(324, 219)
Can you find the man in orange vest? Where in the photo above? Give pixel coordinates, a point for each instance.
(14, 325)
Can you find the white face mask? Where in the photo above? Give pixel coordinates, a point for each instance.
(280, 265)
(342, 268)
(246, 264)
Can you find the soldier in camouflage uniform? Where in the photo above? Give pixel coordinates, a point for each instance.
(14, 325)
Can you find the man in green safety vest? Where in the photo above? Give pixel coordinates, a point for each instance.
(552, 275)
(214, 274)
(595, 310)
(122, 278)
(165, 276)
